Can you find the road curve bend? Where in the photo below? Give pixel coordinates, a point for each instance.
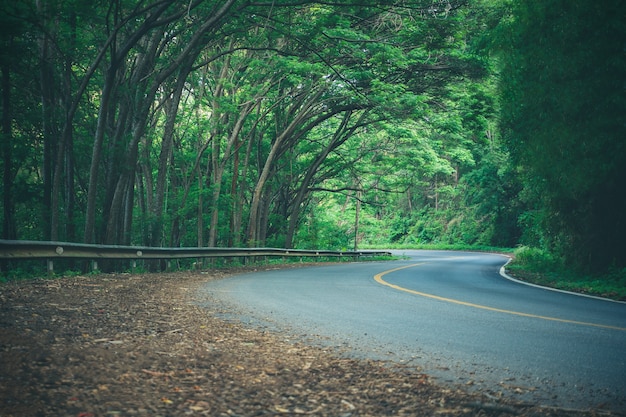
(453, 315)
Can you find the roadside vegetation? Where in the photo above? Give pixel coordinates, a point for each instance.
(541, 267)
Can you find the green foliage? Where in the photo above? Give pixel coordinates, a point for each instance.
(443, 246)
(563, 105)
(318, 125)
(23, 270)
(541, 267)
(226, 138)
(327, 228)
(536, 260)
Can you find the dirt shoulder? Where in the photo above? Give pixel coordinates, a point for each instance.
(153, 345)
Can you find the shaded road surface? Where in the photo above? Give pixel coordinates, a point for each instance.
(453, 315)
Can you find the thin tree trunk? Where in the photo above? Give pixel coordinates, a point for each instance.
(65, 158)
(47, 83)
(200, 221)
(116, 165)
(220, 119)
(118, 218)
(164, 157)
(356, 219)
(219, 172)
(96, 154)
(238, 200)
(174, 184)
(233, 239)
(8, 225)
(129, 201)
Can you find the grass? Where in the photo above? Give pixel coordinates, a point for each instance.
(539, 267)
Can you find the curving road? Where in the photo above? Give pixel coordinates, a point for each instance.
(453, 315)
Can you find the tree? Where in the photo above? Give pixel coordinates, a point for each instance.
(11, 29)
(563, 106)
(222, 122)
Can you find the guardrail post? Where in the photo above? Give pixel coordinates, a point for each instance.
(94, 266)
(50, 266)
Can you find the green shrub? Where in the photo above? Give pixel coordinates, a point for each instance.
(536, 260)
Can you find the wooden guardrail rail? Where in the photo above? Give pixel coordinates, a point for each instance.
(25, 249)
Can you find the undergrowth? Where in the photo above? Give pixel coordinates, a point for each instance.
(542, 268)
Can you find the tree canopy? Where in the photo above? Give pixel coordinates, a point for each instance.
(315, 124)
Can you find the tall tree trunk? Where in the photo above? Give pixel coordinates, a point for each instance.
(96, 155)
(8, 226)
(65, 158)
(47, 101)
(147, 186)
(237, 188)
(117, 218)
(142, 204)
(114, 171)
(122, 204)
(176, 186)
(70, 196)
(200, 212)
(233, 239)
(129, 200)
(164, 157)
(264, 215)
(359, 194)
(220, 119)
(219, 172)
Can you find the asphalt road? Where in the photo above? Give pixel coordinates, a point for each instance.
(452, 315)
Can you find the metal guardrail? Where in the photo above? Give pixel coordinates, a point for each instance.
(20, 249)
(24, 249)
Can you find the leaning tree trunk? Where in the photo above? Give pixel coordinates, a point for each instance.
(303, 114)
(341, 135)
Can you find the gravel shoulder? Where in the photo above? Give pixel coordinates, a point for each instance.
(155, 345)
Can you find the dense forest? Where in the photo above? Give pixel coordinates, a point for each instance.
(309, 124)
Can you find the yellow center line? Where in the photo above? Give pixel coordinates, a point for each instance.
(380, 280)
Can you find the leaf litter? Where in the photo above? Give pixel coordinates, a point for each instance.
(142, 345)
